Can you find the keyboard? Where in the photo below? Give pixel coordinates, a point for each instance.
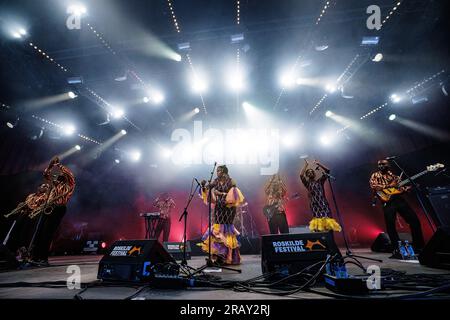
(150, 214)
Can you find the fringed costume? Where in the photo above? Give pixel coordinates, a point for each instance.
(223, 236)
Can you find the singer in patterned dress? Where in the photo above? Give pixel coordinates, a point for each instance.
(322, 220)
(225, 197)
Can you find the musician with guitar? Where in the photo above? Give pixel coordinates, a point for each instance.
(389, 188)
(274, 210)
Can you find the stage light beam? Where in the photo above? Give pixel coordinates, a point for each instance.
(118, 113)
(77, 9)
(135, 155)
(331, 88)
(68, 129)
(395, 98)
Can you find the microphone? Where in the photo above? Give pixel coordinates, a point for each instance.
(197, 182)
(329, 176)
(391, 158)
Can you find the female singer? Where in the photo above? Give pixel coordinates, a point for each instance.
(318, 203)
(225, 197)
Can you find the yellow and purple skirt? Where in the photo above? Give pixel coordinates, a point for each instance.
(224, 243)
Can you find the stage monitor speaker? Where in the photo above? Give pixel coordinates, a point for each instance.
(382, 243)
(133, 260)
(176, 250)
(439, 198)
(436, 253)
(287, 254)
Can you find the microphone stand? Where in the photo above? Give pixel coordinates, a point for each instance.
(209, 262)
(417, 193)
(185, 216)
(348, 252)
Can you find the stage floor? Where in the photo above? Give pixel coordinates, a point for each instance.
(17, 284)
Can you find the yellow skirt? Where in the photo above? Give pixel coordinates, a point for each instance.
(324, 224)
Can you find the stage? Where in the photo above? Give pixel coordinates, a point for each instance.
(49, 282)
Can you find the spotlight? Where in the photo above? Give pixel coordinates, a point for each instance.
(199, 84)
(146, 100)
(196, 110)
(236, 81)
(178, 58)
(326, 139)
(287, 80)
(123, 132)
(77, 9)
(72, 95)
(392, 117)
(157, 97)
(247, 106)
(321, 47)
(12, 124)
(68, 130)
(328, 113)
(378, 57)
(117, 161)
(22, 32)
(78, 147)
(289, 140)
(16, 35)
(395, 98)
(118, 113)
(135, 155)
(331, 88)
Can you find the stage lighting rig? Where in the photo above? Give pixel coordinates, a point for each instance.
(370, 41)
(236, 38)
(185, 46)
(75, 80)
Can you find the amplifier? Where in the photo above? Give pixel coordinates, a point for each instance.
(439, 198)
(176, 250)
(135, 261)
(290, 253)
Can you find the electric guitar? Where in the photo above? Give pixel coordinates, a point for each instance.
(386, 194)
(270, 210)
